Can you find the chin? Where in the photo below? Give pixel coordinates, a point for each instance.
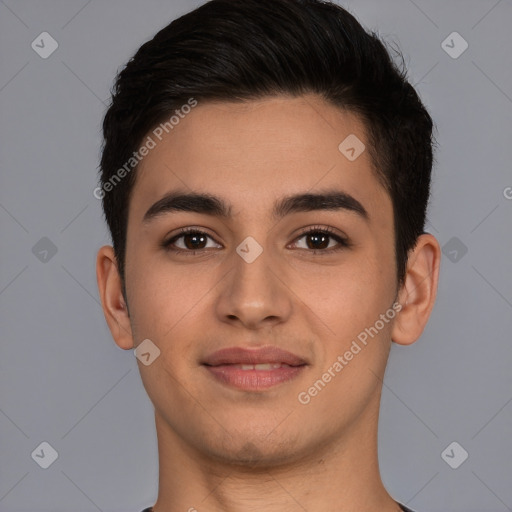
(255, 452)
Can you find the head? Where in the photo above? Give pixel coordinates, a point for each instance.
(245, 102)
(218, 53)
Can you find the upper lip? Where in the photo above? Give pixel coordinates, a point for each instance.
(241, 355)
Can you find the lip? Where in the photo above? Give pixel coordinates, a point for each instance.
(226, 366)
(241, 355)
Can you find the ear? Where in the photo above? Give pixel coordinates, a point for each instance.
(112, 300)
(418, 291)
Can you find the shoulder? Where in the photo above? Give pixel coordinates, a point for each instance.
(403, 507)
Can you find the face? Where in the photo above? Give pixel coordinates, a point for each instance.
(268, 263)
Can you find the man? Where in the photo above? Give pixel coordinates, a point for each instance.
(265, 176)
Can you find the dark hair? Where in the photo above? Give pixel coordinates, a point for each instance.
(236, 50)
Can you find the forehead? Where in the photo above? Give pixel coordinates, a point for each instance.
(255, 151)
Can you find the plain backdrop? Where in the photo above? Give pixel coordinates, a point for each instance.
(64, 382)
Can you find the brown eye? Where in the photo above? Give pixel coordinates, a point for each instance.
(189, 241)
(194, 241)
(317, 240)
(322, 240)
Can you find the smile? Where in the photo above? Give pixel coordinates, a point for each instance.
(254, 377)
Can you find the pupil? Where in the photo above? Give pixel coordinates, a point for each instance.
(195, 239)
(318, 239)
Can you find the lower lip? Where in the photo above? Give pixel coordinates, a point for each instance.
(254, 380)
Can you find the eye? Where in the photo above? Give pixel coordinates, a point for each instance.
(321, 239)
(189, 240)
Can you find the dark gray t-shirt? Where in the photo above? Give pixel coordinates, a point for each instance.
(403, 507)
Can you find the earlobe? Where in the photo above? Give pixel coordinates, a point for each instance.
(418, 292)
(114, 306)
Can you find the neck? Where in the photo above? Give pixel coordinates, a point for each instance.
(344, 472)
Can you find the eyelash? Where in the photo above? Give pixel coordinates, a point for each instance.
(343, 242)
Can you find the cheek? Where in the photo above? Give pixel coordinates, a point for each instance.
(350, 295)
(167, 306)
(162, 296)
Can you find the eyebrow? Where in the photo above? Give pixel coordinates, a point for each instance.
(330, 200)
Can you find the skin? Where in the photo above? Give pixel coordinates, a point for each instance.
(220, 448)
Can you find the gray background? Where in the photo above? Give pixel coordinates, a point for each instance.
(64, 381)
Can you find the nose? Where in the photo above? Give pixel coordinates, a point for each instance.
(254, 293)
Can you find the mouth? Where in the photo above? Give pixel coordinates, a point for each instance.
(259, 367)
(254, 369)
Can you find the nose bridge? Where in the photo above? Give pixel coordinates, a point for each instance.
(251, 268)
(253, 292)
